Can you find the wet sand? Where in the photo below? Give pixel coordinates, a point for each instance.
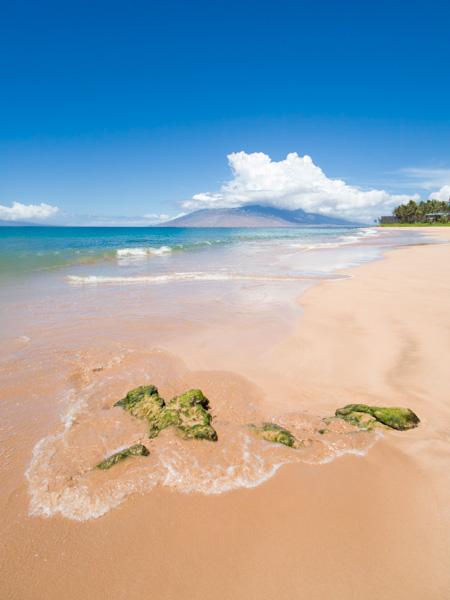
(373, 526)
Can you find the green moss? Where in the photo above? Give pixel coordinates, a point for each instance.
(274, 433)
(362, 415)
(200, 432)
(322, 431)
(143, 402)
(136, 450)
(187, 412)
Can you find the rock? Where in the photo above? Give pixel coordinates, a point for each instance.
(136, 450)
(187, 412)
(368, 417)
(274, 433)
(143, 402)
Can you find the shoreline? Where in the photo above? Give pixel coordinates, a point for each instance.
(321, 531)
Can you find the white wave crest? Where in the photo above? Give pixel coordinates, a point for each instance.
(198, 276)
(344, 240)
(141, 252)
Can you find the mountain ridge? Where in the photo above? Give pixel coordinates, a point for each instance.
(257, 216)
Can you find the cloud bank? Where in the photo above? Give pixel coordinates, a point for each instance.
(442, 194)
(26, 212)
(294, 183)
(428, 179)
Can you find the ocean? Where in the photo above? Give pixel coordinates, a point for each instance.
(122, 250)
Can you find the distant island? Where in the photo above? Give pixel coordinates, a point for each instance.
(256, 216)
(5, 223)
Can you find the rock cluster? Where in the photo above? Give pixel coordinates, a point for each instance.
(187, 412)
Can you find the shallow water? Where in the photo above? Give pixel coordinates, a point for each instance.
(77, 335)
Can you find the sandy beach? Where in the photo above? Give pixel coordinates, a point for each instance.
(373, 526)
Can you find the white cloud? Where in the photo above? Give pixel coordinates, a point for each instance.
(25, 212)
(294, 183)
(427, 178)
(155, 217)
(442, 194)
(161, 218)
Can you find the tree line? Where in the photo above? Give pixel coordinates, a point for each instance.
(416, 213)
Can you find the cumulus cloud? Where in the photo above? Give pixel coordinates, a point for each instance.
(26, 212)
(294, 183)
(442, 194)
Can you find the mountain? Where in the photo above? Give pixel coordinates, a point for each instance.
(256, 216)
(4, 223)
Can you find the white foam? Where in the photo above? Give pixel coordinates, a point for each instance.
(160, 251)
(195, 276)
(132, 252)
(344, 240)
(141, 252)
(239, 459)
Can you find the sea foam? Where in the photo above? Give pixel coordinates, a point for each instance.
(200, 276)
(140, 252)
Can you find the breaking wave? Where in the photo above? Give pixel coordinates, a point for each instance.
(142, 252)
(343, 240)
(201, 276)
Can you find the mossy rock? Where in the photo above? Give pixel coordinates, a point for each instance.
(187, 412)
(143, 402)
(362, 415)
(274, 433)
(136, 450)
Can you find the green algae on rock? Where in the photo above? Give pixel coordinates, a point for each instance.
(143, 402)
(187, 412)
(193, 418)
(368, 417)
(136, 450)
(274, 433)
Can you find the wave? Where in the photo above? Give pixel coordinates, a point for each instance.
(61, 479)
(142, 252)
(343, 240)
(202, 276)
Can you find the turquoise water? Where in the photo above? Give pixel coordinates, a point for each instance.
(32, 249)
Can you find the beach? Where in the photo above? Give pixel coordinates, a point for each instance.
(370, 520)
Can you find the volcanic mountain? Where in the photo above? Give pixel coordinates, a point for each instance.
(256, 216)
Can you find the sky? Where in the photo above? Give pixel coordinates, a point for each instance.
(115, 113)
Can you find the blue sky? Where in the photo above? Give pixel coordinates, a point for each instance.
(112, 110)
